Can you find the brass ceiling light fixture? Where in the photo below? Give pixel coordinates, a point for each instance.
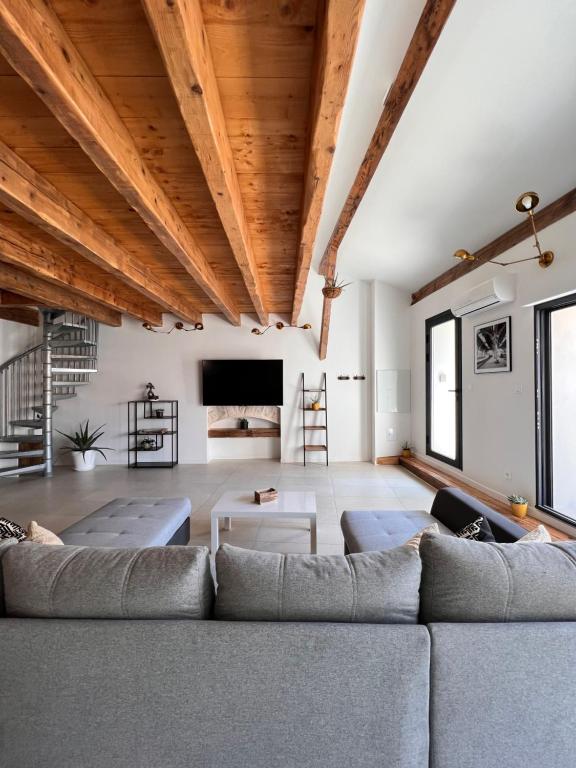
(178, 326)
(526, 203)
(280, 327)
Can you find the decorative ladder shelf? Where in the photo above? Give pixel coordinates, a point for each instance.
(309, 428)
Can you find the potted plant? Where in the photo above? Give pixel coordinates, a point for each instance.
(315, 404)
(406, 450)
(83, 448)
(519, 505)
(332, 288)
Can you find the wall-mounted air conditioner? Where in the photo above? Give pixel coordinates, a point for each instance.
(488, 295)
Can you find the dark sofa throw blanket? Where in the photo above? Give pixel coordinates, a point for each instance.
(467, 581)
(370, 587)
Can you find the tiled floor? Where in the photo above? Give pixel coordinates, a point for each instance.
(68, 496)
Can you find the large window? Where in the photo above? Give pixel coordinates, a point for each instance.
(556, 406)
(444, 388)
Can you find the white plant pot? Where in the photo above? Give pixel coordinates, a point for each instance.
(84, 463)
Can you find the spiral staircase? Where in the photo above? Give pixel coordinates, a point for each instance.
(33, 382)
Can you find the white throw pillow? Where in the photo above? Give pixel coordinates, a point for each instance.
(414, 541)
(537, 534)
(40, 535)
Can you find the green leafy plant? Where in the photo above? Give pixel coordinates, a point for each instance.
(406, 446)
(515, 498)
(84, 440)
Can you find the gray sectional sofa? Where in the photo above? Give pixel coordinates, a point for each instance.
(90, 680)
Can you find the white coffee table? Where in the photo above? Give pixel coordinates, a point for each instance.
(290, 504)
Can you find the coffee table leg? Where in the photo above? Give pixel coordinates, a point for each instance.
(313, 546)
(214, 536)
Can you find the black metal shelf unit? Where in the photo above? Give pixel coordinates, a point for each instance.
(308, 429)
(165, 437)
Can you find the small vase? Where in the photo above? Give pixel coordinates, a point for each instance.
(519, 510)
(406, 453)
(84, 462)
(315, 406)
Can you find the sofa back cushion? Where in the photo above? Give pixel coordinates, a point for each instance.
(456, 509)
(42, 581)
(468, 581)
(372, 587)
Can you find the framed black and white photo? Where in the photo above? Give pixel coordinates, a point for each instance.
(493, 346)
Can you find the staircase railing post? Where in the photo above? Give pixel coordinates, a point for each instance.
(47, 393)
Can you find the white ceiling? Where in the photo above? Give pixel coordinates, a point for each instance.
(494, 114)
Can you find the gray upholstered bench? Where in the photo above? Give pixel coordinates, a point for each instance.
(366, 531)
(133, 522)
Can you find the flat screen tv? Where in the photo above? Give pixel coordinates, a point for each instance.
(242, 382)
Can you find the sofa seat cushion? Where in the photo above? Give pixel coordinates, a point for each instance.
(469, 581)
(376, 531)
(371, 587)
(43, 581)
(130, 522)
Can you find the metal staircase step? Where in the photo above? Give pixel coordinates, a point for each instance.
(20, 454)
(69, 396)
(21, 438)
(67, 327)
(59, 383)
(66, 343)
(22, 470)
(73, 357)
(74, 370)
(28, 423)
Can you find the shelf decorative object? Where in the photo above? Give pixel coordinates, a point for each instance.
(150, 391)
(162, 439)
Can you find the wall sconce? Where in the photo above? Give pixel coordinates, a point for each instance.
(526, 203)
(280, 326)
(178, 326)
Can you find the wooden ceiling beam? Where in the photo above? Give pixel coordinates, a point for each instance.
(338, 27)
(41, 261)
(35, 199)
(35, 43)
(53, 296)
(424, 39)
(9, 299)
(325, 328)
(183, 42)
(24, 315)
(557, 210)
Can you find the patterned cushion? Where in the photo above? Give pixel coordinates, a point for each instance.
(540, 533)
(11, 530)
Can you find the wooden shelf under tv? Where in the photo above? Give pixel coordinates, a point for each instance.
(255, 432)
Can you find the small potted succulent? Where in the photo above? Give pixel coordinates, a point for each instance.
(315, 404)
(518, 504)
(406, 450)
(83, 448)
(332, 288)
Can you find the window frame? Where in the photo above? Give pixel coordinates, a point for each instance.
(431, 322)
(543, 403)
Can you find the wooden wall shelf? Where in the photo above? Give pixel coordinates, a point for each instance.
(255, 432)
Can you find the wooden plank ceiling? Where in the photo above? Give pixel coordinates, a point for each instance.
(109, 170)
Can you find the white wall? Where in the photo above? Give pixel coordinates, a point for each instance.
(391, 351)
(131, 356)
(16, 338)
(498, 409)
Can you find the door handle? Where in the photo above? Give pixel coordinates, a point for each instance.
(454, 390)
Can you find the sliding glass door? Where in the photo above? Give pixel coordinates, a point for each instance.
(556, 406)
(444, 388)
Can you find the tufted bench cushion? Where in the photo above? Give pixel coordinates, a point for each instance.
(372, 531)
(132, 522)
